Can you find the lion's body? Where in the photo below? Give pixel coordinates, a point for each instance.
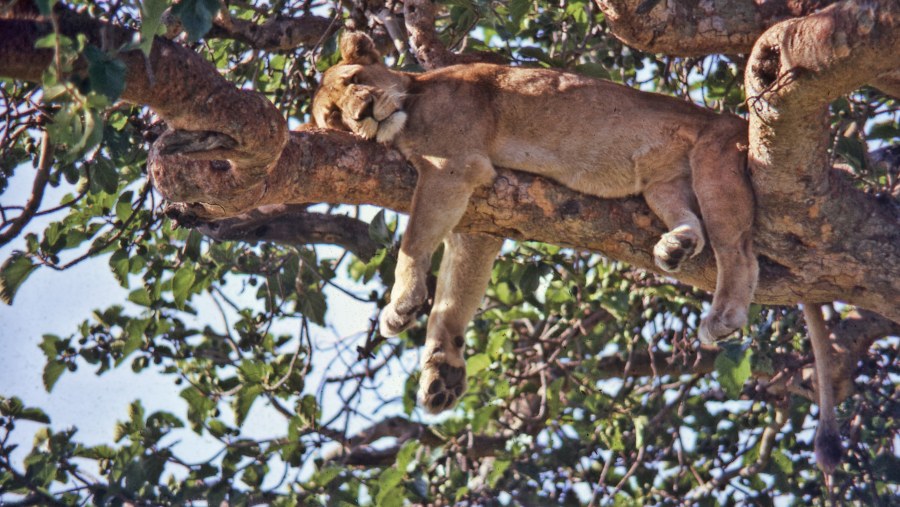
(456, 124)
(576, 130)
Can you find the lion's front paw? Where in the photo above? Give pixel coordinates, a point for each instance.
(443, 381)
(675, 246)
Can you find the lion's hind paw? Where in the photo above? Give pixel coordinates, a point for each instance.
(395, 320)
(676, 246)
(441, 383)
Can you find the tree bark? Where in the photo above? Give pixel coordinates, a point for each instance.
(691, 28)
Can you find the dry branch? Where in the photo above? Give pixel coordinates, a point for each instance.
(277, 33)
(429, 50)
(293, 225)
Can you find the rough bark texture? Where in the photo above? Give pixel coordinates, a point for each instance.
(819, 239)
(796, 69)
(693, 28)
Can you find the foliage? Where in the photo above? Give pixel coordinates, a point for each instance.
(584, 386)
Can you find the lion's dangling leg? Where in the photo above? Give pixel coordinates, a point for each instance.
(464, 275)
(726, 202)
(674, 203)
(440, 200)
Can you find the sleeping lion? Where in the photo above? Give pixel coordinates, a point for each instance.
(457, 123)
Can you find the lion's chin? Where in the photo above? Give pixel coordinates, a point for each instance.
(389, 127)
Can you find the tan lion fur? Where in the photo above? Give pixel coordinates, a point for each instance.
(457, 123)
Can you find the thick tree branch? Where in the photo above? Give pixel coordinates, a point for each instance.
(690, 28)
(328, 166)
(291, 224)
(178, 84)
(796, 69)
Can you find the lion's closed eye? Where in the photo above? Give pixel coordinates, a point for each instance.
(352, 79)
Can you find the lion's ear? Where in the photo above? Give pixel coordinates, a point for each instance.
(358, 48)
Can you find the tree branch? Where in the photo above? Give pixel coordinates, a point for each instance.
(690, 28)
(430, 51)
(796, 69)
(45, 162)
(277, 33)
(178, 84)
(291, 224)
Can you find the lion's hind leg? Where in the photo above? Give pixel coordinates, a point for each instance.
(674, 203)
(464, 275)
(726, 202)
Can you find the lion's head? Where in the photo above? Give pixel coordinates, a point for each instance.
(360, 94)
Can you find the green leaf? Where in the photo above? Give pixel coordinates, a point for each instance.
(182, 283)
(783, 462)
(140, 297)
(13, 272)
(640, 430)
(40, 468)
(497, 471)
(52, 371)
(733, 367)
(123, 205)
(254, 474)
(406, 454)
(312, 304)
(103, 176)
(517, 11)
(14, 408)
(199, 407)
(106, 73)
(51, 345)
(244, 401)
(45, 6)
(495, 343)
(379, 231)
(409, 394)
(34, 414)
(196, 16)
(387, 481)
(308, 410)
(151, 22)
(217, 428)
(483, 415)
(102, 451)
(253, 371)
(119, 263)
(321, 478)
(76, 128)
(477, 363)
